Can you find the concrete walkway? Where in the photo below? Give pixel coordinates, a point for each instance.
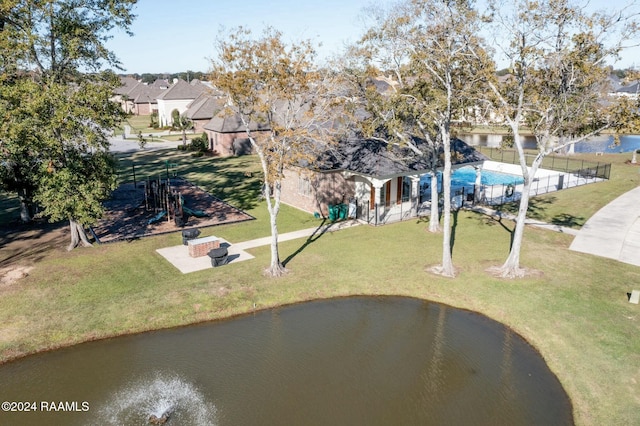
(614, 231)
(179, 257)
(531, 222)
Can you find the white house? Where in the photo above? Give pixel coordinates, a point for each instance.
(178, 96)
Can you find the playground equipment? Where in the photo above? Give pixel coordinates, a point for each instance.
(167, 203)
(163, 199)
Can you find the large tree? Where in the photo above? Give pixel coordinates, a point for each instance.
(557, 84)
(432, 54)
(278, 86)
(54, 106)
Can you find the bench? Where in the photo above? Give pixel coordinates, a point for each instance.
(201, 246)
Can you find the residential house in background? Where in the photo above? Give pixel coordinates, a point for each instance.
(630, 90)
(139, 98)
(227, 134)
(202, 109)
(178, 96)
(121, 94)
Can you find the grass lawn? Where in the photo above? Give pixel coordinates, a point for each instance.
(138, 123)
(575, 312)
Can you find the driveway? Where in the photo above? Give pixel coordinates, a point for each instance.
(614, 231)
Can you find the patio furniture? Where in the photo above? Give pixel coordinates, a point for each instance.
(219, 256)
(189, 234)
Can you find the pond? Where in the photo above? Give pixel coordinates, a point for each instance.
(361, 360)
(606, 144)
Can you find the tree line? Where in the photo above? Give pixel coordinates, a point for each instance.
(149, 78)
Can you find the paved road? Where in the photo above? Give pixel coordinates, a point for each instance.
(614, 231)
(117, 144)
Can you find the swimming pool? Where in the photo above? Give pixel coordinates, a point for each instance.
(466, 177)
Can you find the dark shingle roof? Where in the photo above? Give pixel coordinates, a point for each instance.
(182, 90)
(204, 107)
(144, 93)
(161, 84)
(375, 158)
(128, 83)
(225, 123)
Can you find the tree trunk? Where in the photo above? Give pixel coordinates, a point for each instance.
(511, 267)
(78, 235)
(25, 206)
(184, 137)
(447, 262)
(477, 187)
(434, 219)
(276, 268)
(25, 211)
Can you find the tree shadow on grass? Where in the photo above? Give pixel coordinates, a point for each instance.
(30, 242)
(498, 219)
(235, 180)
(535, 210)
(319, 232)
(568, 220)
(239, 190)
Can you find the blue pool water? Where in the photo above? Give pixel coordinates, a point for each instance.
(466, 177)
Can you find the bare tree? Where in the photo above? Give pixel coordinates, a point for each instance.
(278, 85)
(557, 84)
(430, 56)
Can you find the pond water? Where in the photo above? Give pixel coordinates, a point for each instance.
(627, 143)
(362, 360)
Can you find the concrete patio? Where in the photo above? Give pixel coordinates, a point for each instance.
(179, 257)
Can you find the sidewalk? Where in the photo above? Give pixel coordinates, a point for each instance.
(179, 257)
(614, 231)
(531, 222)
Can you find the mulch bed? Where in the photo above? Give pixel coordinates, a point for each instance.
(126, 217)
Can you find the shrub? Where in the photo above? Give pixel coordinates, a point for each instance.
(200, 144)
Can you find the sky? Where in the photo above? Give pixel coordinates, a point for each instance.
(171, 37)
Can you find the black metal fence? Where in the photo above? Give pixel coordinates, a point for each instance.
(560, 163)
(381, 214)
(571, 172)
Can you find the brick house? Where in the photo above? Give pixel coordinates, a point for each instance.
(227, 135)
(139, 98)
(202, 109)
(381, 184)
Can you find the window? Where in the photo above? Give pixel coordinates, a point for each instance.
(304, 186)
(406, 188)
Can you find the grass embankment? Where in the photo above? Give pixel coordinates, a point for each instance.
(576, 313)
